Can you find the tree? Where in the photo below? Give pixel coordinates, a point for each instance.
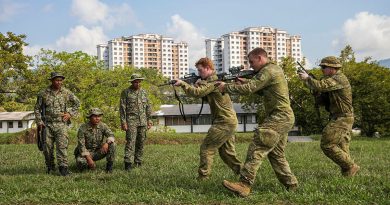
(13, 63)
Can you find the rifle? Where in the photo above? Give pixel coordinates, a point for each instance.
(188, 78)
(320, 98)
(41, 132)
(235, 73)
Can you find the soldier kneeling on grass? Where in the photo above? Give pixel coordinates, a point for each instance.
(95, 141)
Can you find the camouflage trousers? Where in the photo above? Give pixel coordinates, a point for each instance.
(269, 141)
(220, 137)
(134, 148)
(335, 140)
(56, 132)
(96, 156)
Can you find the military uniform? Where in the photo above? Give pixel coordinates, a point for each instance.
(135, 111)
(336, 136)
(220, 136)
(91, 140)
(56, 104)
(270, 138)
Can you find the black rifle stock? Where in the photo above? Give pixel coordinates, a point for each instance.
(41, 131)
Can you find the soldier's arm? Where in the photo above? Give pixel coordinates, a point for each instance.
(324, 85)
(73, 109)
(81, 142)
(109, 134)
(198, 92)
(122, 107)
(37, 110)
(148, 110)
(253, 85)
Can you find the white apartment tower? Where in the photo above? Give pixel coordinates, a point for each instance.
(231, 49)
(147, 51)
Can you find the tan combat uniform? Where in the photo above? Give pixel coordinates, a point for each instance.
(270, 138)
(336, 136)
(220, 136)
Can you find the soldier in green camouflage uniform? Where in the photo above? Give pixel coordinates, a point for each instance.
(336, 136)
(220, 136)
(135, 112)
(95, 141)
(270, 138)
(60, 104)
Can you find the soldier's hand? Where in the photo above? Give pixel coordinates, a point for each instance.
(303, 75)
(197, 83)
(104, 148)
(150, 124)
(124, 127)
(239, 81)
(178, 82)
(41, 126)
(90, 162)
(65, 117)
(221, 86)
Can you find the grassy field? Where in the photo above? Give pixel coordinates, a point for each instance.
(168, 176)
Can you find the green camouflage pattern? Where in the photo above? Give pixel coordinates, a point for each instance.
(135, 110)
(56, 105)
(339, 90)
(336, 136)
(270, 138)
(331, 61)
(220, 136)
(134, 147)
(91, 140)
(221, 106)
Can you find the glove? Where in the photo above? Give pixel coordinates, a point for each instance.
(303, 75)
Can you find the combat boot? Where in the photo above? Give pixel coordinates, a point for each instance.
(202, 178)
(241, 188)
(109, 167)
(351, 171)
(64, 171)
(50, 169)
(138, 164)
(128, 166)
(292, 187)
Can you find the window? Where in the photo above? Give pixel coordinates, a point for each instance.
(10, 124)
(202, 120)
(20, 124)
(169, 121)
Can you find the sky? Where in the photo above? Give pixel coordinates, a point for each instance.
(326, 26)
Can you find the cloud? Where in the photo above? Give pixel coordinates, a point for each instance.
(368, 34)
(79, 38)
(182, 30)
(94, 12)
(8, 9)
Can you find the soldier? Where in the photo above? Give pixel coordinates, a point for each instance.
(270, 138)
(220, 136)
(95, 141)
(336, 136)
(60, 106)
(135, 114)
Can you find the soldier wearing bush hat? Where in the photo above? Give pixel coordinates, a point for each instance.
(53, 110)
(135, 116)
(336, 136)
(95, 141)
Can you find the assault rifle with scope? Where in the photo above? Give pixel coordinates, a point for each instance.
(188, 78)
(235, 73)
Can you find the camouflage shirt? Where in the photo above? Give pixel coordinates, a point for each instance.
(271, 83)
(339, 90)
(91, 139)
(134, 107)
(221, 106)
(56, 104)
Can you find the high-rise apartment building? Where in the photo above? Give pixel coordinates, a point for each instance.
(231, 50)
(146, 51)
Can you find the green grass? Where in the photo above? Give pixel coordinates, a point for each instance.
(168, 176)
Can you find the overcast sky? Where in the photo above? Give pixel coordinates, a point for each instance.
(325, 26)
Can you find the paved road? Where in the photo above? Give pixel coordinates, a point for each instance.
(299, 139)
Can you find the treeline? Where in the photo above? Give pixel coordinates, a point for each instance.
(98, 87)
